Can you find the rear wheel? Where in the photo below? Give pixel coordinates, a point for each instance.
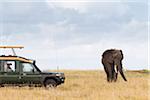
(50, 83)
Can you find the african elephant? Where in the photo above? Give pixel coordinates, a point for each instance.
(111, 60)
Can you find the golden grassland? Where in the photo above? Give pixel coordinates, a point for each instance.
(86, 85)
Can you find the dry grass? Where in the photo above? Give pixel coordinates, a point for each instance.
(86, 85)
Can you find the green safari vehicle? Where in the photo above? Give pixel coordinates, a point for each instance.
(20, 71)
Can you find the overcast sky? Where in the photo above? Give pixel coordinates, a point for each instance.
(73, 34)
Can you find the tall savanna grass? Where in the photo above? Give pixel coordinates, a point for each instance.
(86, 85)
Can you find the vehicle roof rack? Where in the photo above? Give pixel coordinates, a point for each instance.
(19, 47)
(12, 47)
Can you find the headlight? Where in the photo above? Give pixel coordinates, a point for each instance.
(60, 74)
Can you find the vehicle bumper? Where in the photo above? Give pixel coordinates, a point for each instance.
(61, 81)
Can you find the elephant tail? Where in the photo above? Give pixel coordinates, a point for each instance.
(121, 72)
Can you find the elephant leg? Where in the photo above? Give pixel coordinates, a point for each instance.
(106, 70)
(110, 73)
(115, 76)
(108, 77)
(113, 72)
(107, 73)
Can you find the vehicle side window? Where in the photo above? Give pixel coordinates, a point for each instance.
(8, 66)
(27, 67)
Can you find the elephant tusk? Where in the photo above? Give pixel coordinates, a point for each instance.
(116, 69)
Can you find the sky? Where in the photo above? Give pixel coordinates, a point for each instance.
(73, 34)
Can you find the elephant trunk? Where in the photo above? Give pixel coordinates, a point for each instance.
(121, 72)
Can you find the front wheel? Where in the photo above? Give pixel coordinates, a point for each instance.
(50, 83)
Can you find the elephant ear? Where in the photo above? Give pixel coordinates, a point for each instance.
(121, 54)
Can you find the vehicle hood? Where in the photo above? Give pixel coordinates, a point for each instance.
(52, 73)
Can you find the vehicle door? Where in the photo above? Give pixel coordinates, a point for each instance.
(9, 72)
(29, 73)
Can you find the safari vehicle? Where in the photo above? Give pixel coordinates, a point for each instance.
(19, 71)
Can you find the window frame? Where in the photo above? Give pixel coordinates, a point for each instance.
(32, 65)
(2, 68)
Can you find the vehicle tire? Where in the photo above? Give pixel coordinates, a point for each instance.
(1, 85)
(50, 83)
